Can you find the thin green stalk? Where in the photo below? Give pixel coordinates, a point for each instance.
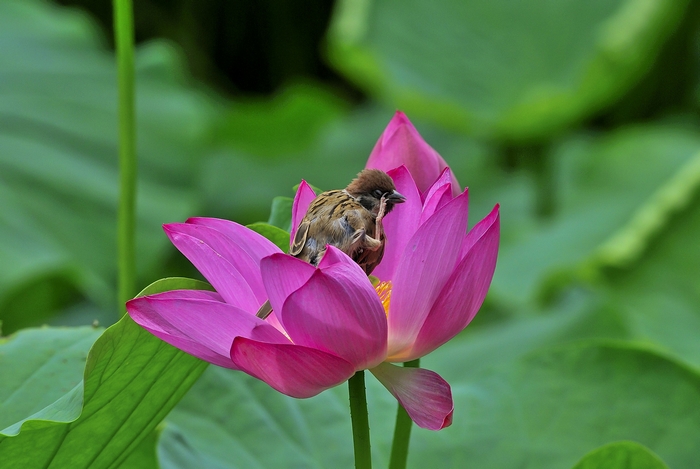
(126, 218)
(360, 421)
(402, 431)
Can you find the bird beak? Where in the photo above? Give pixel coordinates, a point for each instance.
(395, 198)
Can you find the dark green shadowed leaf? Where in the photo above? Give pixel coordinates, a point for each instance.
(131, 381)
(510, 70)
(273, 233)
(287, 123)
(621, 455)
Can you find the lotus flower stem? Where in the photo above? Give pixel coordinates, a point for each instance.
(124, 40)
(360, 421)
(402, 431)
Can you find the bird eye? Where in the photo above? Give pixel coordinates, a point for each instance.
(377, 193)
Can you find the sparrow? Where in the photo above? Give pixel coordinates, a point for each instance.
(349, 219)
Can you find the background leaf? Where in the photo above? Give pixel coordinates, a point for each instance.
(505, 70)
(281, 213)
(274, 234)
(546, 409)
(659, 296)
(39, 366)
(603, 191)
(621, 455)
(58, 159)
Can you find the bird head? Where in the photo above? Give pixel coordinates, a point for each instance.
(370, 186)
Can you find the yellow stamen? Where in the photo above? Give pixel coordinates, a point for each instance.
(384, 292)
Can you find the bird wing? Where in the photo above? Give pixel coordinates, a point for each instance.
(333, 218)
(300, 238)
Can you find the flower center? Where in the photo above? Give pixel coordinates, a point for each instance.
(384, 292)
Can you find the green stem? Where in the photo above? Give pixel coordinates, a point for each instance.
(360, 421)
(124, 40)
(402, 431)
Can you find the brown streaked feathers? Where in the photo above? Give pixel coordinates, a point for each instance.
(349, 219)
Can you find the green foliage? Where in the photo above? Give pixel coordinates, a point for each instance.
(659, 296)
(519, 71)
(58, 165)
(274, 234)
(609, 205)
(621, 455)
(586, 352)
(144, 455)
(130, 383)
(287, 123)
(547, 408)
(39, 366)
(281, 213)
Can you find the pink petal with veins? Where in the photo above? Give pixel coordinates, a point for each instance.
(294, 370)
(465, 291)
(426, 397)
(199, 323)
(425, 266)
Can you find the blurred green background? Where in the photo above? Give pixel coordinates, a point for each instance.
(581, 118)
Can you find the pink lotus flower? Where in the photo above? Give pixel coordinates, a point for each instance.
(329, 321)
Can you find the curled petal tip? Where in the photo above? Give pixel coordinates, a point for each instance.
(426, 397)
(448, 420)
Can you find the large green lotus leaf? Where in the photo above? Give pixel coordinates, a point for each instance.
(660, 295)
(230, 420)
(550, 407)
(514, 70)
(130, 383)
(612, 195)
(145, 455)
(38, 366)
(58, 154)
(621, 455)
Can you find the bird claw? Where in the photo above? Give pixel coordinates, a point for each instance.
(382, 209)
(379, 228)
(360, 241)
